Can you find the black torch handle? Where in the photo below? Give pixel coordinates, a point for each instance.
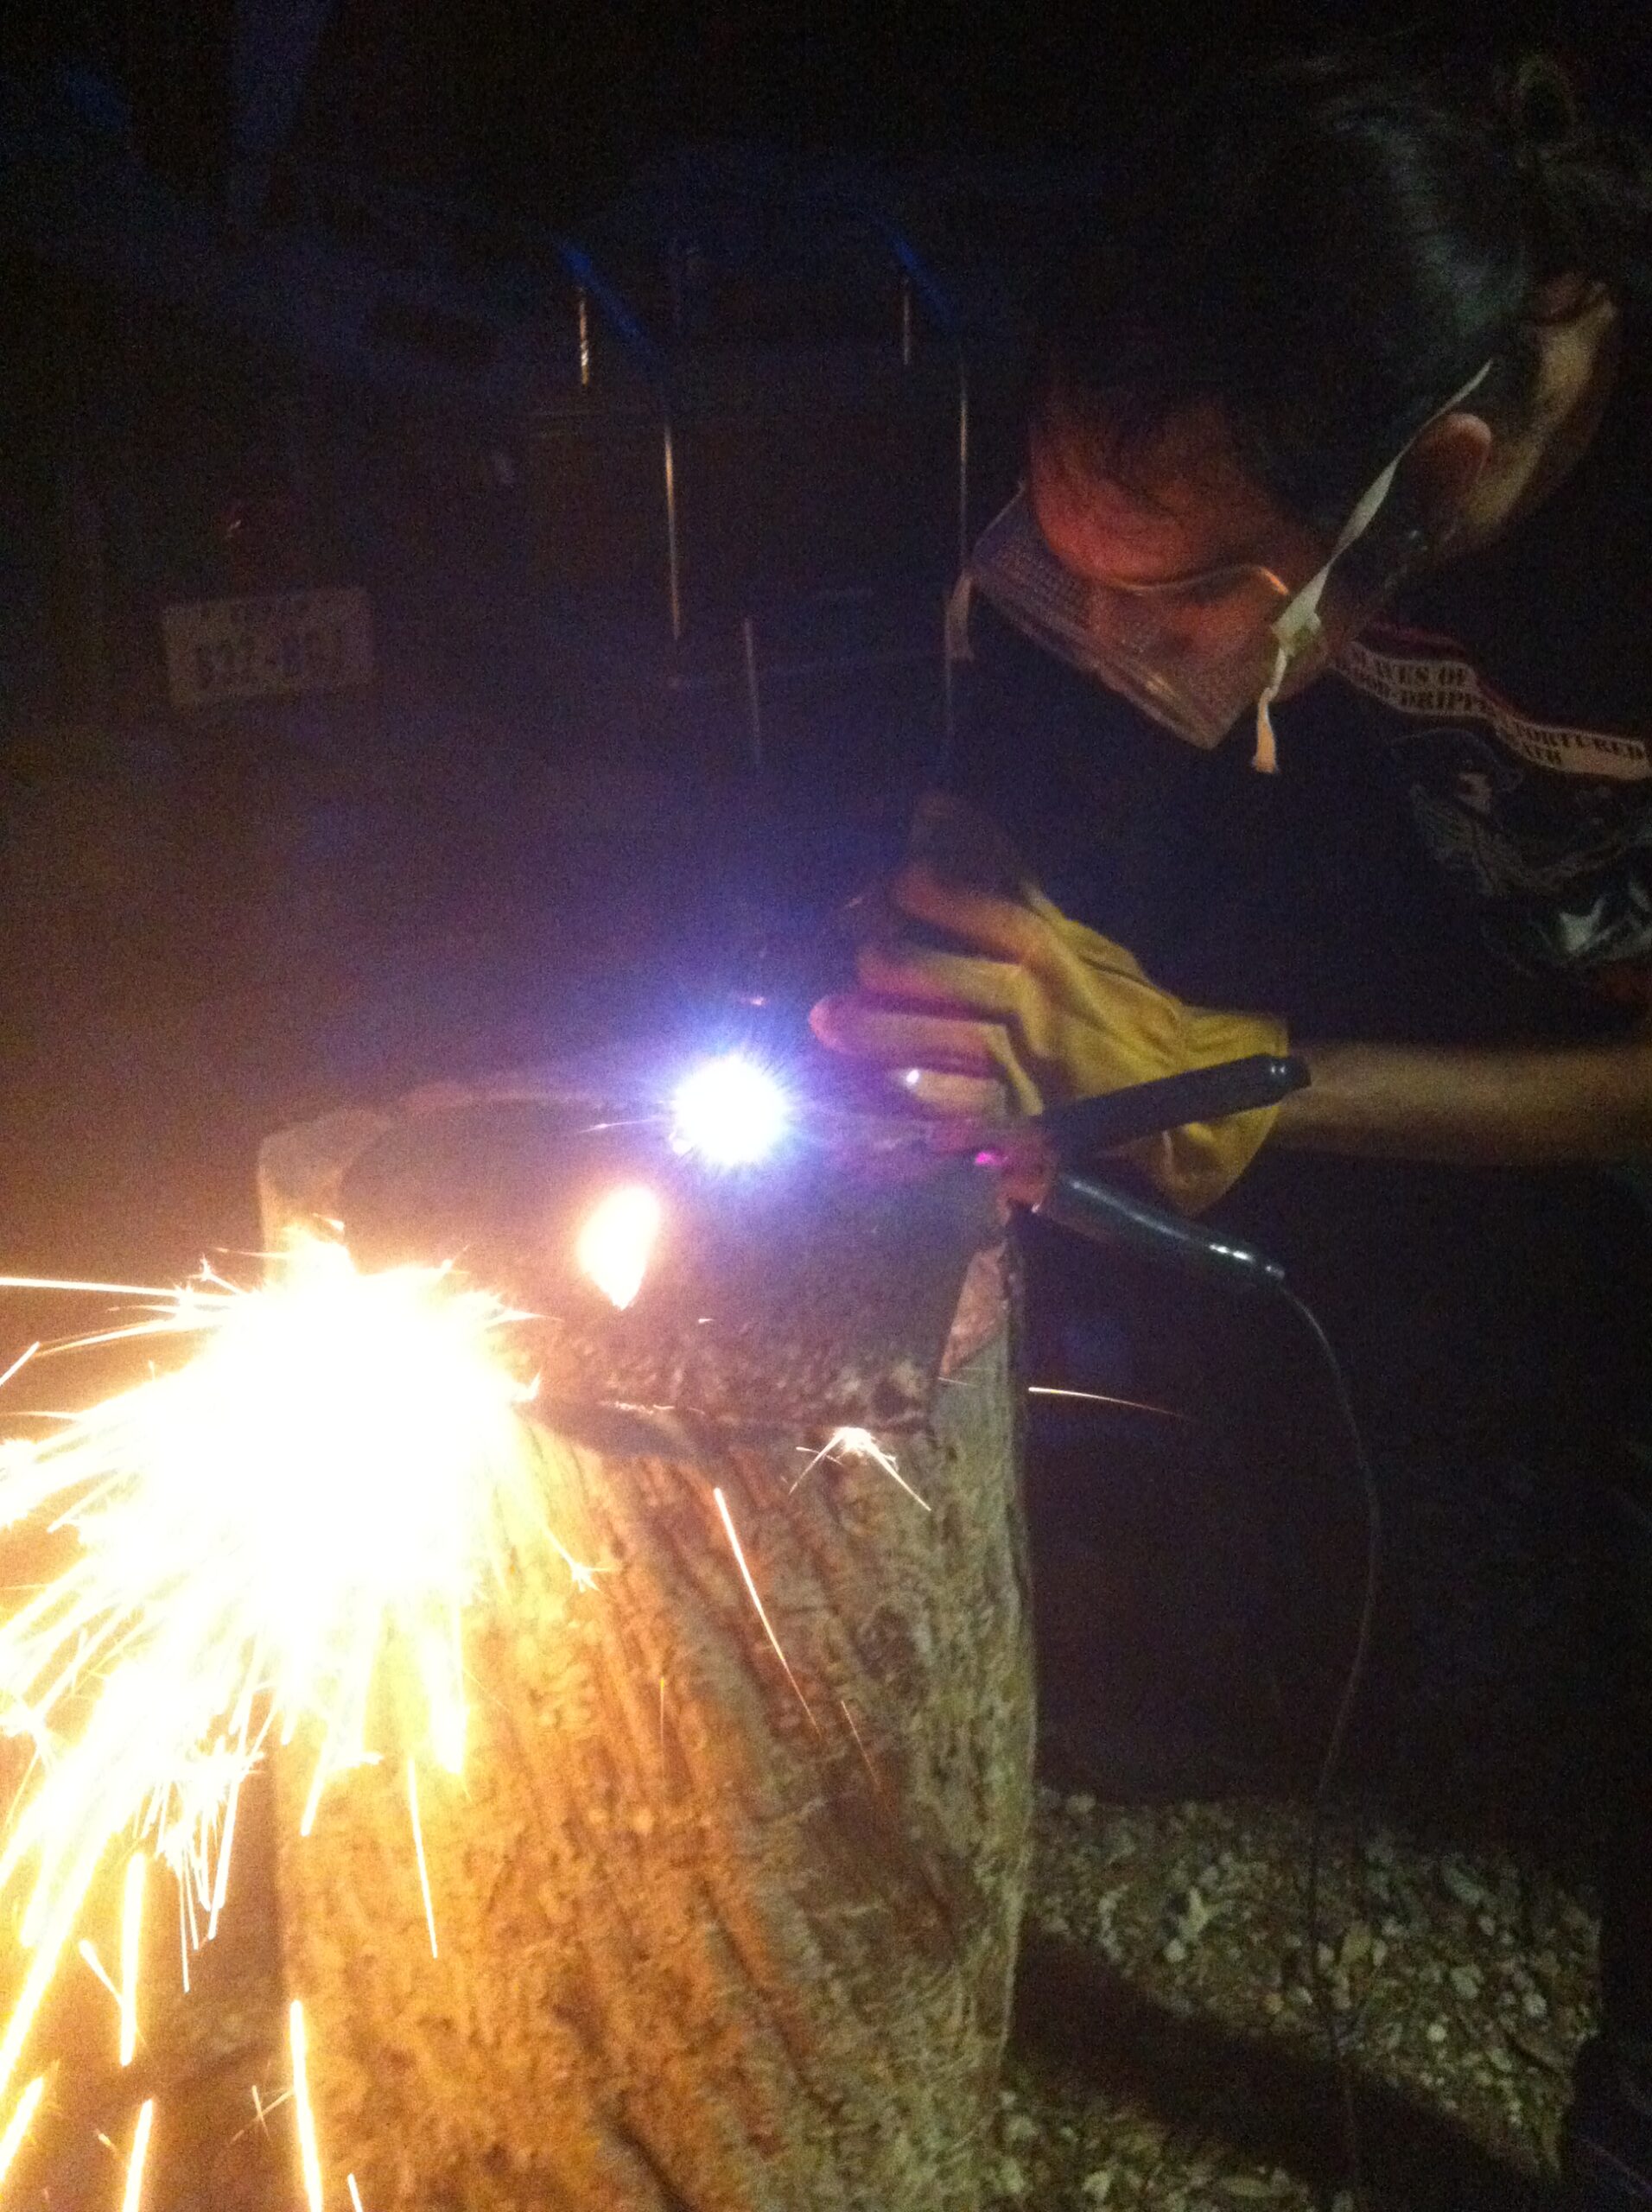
(1145, 1109)
(1105, 1216)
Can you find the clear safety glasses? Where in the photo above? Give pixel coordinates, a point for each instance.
(1193, 654)
(1197, 653)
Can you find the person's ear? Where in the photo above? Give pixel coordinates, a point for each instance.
(1445, 466)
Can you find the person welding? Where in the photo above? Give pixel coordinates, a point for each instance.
(1340, 455)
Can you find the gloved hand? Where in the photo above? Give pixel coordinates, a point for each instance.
(1042, 1006)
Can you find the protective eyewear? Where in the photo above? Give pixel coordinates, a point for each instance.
(1194, 653)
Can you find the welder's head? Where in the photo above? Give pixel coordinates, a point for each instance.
(1300, 338)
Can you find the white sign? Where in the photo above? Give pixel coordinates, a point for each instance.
(275, 645)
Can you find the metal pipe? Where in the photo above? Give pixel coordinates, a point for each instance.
(584, 309)
(753, 697)
(673, 577)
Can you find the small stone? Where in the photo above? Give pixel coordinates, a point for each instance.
(1175, 1951)
(1458, 1883)
(1437, 2032)
(1196, 1917)
(1357, 1944)
(1535, 2005)
(1098, 2188)
(1019, 2128)
(1465, 1980)
(1012, 2181)
(1273, 2004)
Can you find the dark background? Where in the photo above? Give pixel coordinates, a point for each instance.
(550, 106)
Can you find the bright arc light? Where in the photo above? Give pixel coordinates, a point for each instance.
(730, 1112)
(617, 1242)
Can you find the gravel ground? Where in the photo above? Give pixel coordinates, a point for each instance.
(1172, 2050)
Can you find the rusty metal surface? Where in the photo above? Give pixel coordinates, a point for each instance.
(817, 1290)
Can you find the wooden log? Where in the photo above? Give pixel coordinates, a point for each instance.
(716, 1933)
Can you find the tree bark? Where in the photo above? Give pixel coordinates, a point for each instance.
(712, 1939)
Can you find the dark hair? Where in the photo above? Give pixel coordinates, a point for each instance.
(1328, 249)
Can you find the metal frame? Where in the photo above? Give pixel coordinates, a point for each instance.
(431, 221)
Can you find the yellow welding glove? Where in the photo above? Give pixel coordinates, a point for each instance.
(1041, 1006)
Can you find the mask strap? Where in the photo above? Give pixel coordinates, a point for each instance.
(1297, 627)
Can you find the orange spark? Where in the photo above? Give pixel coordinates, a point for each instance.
(225, 1849)
(847, 1444)
(418, 1852)
(308, 2153)
(768, 1629)
(318, 1489)
(135, 2163)
(860, 1746)
(89, 1952)
(19, 1364)
(1104, 1398)
(131, 1953)
(18, 2125)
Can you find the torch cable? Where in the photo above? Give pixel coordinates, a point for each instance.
(1358, 1457)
